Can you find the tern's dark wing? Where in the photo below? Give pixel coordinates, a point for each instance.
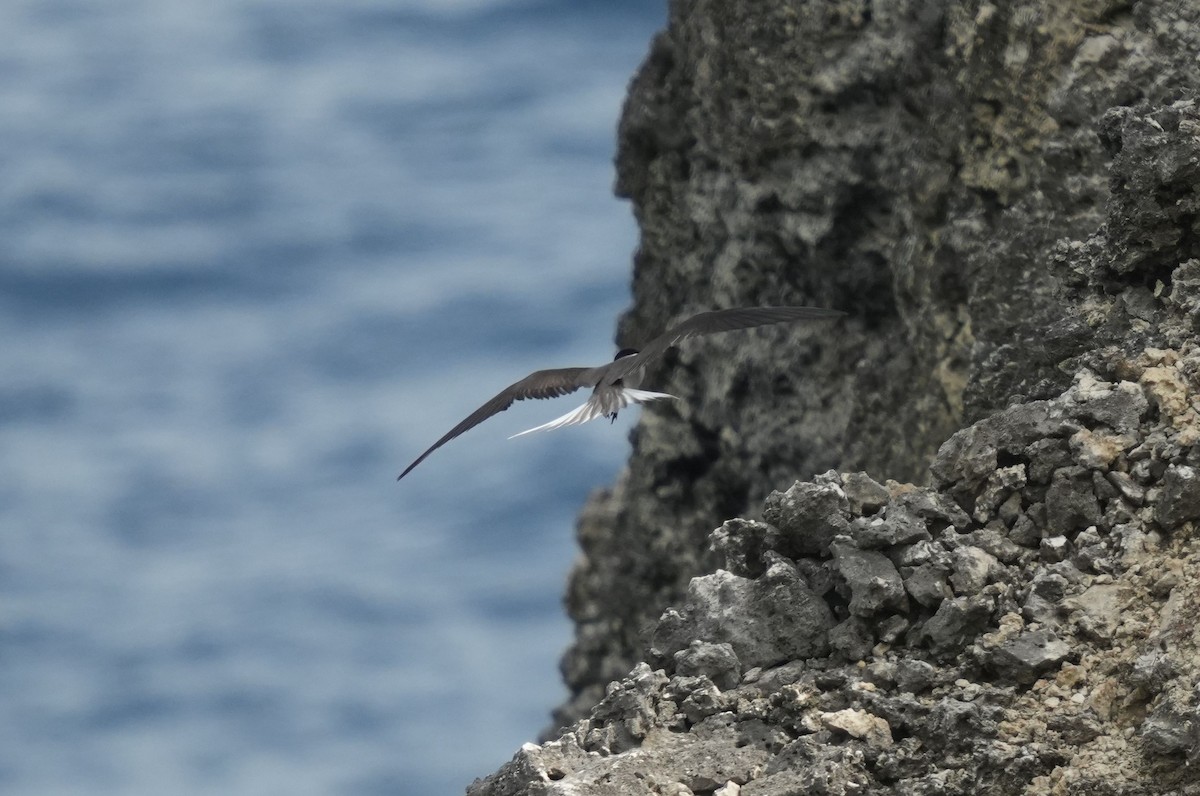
(724, 321)
(540, 384)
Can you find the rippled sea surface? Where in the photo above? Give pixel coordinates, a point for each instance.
(255, 256)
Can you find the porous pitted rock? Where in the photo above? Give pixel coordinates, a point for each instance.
(1005, 198)
(1179, 500)
(1070, 665)
(766, 620)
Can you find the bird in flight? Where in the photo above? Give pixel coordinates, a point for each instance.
(614, 384)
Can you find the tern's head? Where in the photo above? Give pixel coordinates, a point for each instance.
(625, 352)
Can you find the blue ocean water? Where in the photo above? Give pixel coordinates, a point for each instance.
(255, 256)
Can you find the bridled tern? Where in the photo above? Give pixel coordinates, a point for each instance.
(615, 383)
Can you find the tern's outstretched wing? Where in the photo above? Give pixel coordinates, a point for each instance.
(718, 321)
(540, 384)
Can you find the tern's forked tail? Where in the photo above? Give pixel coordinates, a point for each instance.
(592, 409)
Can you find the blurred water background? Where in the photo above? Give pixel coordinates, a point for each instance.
(255, 255)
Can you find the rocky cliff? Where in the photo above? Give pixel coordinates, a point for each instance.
(985, 580)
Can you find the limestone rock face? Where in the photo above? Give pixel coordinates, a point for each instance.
(1065, 660)
(978, 490)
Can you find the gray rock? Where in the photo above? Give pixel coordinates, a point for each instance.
(1141, 303)
(817, 575)
(873, 730)
(1098, 611)
(770, 680)
(533, 764)
(1185, 289)
(1037, 515)
(892, 628)
(1092, 553)
(1102, 488)
(718, 662)
(1055, 549)
(1141, 471)
(1088, 536)
(874, 583)
(1075, 728)
(1037, 608)
(770, 619)
(1119, 406)
(637, 701)
(970, 455)
(1044, 600)
(928, 584)
(1118, 512)
(1180, 498)
(972, 569)
(880, 672)
(956, 622)
(897, 526)
(1134, 543)
(1170, 731)
(803, 767)
(999, 485)
(808, 516)
(967, 458)
(852, 638)
(1026, 656)
(936, 509)
(1024, 533)
(740, 544)
(914, 676)
(624, 743)
(1045, 456)
(1070, 502)
(1151, 671)
(697, 696)
(1010, 509)
(865, 495)
(996, 543)
(923, 552)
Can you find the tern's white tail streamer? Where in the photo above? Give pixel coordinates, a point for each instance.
(592, 410)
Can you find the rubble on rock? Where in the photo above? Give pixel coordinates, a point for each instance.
(836, 668)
